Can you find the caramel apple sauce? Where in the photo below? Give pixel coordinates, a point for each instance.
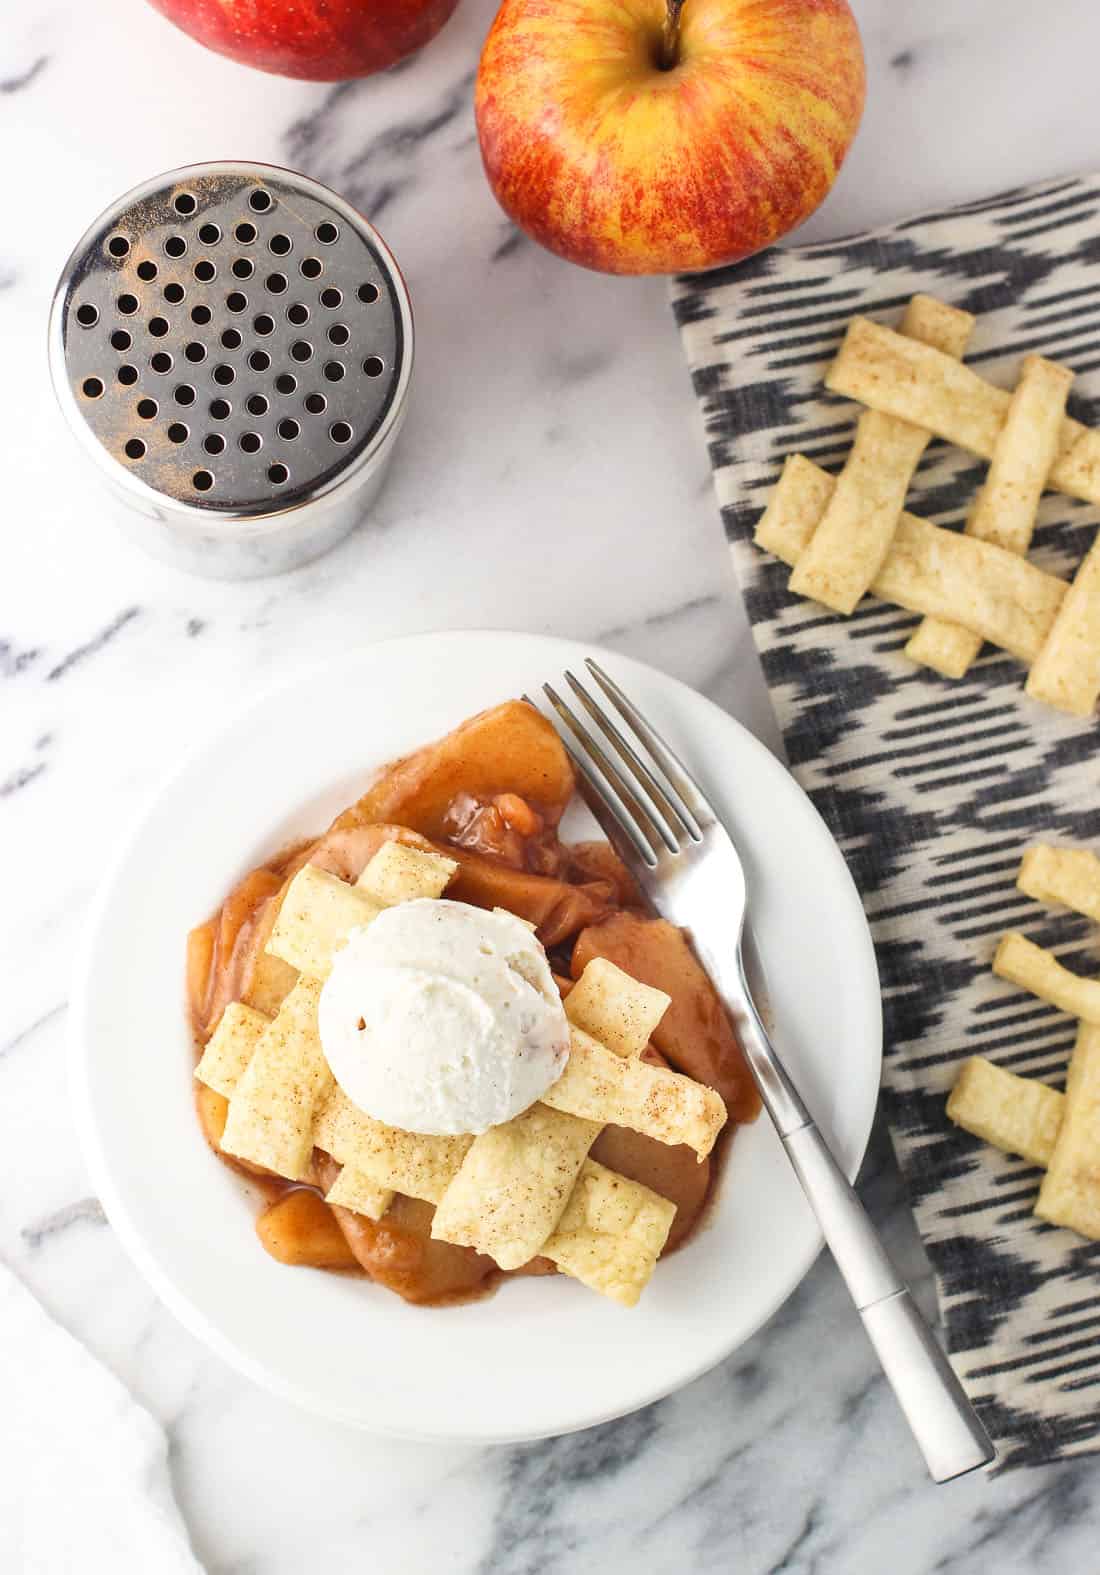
(491, 795)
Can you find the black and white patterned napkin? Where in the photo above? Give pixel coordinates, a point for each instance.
(934, 788)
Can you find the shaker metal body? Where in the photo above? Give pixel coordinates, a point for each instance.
(232, 345)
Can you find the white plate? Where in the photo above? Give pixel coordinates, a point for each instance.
(540, 1357)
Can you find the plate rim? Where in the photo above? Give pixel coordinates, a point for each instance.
(175, 1299)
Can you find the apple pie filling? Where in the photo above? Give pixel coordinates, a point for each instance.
(448, 1047)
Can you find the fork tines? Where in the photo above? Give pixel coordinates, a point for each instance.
(656, 805)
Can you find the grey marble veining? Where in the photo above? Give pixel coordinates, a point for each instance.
(550, 477)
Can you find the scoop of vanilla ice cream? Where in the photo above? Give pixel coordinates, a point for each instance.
(442, 1018)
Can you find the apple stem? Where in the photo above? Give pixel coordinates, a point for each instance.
(670, 35)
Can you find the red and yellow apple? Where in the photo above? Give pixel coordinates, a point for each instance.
(666, 136)
(320, 40)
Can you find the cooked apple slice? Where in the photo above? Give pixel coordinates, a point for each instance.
(241, 904)
(213, 1109)
(200, 959)
(597, 861)
(694, 1034)
(509, 749)
(300, 1229)
(399, 1253)
(234, 927)
(554, 907)
(263, 980)
(212, 946)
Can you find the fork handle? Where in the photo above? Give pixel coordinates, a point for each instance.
(941, 1418)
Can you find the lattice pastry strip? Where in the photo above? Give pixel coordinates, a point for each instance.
(614, 1008)
(385, 1157)
(1066, 672)
(850, 544)
(1066, 877)
(1006, 507)
(1004, 599)
(317, 914)
(399, 873)
(1018, 1115)
(272, 1109)
(513, 1185)
(1038, 971)
(231, 1047)
(598, 1085)
(1070, 1193)
(1059, 1132)
(611, 1233)
(885, 371)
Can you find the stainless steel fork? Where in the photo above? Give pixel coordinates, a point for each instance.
(659, 821)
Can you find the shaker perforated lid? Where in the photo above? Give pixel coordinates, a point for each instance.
(234, 338)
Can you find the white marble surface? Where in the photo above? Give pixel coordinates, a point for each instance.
(552, 478)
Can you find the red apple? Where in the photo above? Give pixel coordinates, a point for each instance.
(665, 136)
(321, 40)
